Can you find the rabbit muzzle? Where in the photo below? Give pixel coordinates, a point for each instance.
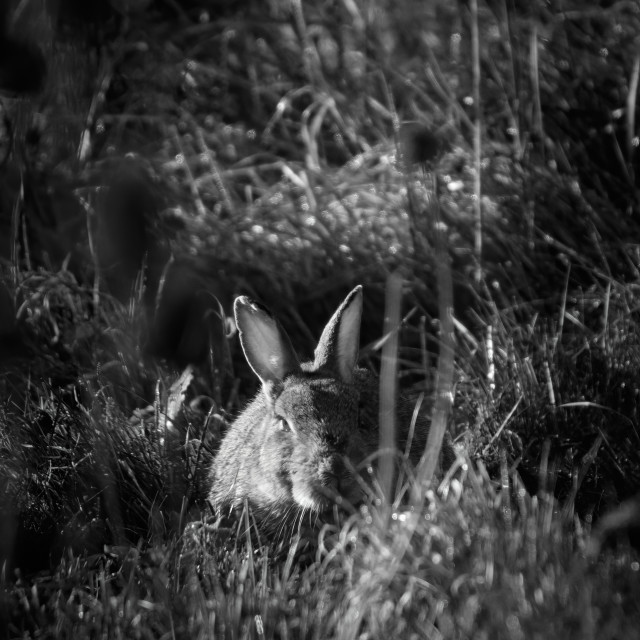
(331, 484)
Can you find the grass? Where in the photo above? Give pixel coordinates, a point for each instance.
(290, 153)
(474, 563)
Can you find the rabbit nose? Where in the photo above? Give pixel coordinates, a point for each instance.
(334, 472)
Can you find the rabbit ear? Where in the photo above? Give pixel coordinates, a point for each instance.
(266, 346)
(339, 344)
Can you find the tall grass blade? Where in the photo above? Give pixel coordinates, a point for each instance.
(388, 384)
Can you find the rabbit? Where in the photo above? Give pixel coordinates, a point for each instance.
(298, 446)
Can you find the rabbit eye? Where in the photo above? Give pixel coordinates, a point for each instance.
(282, 424)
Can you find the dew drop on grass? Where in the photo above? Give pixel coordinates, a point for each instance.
(456, 488)
(259, 626)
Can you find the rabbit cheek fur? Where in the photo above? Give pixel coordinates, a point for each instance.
(322, 415)
(252, 462)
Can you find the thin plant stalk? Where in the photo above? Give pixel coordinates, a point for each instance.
(446, 358)
(388, 383)
(477, 138)
(631, 110)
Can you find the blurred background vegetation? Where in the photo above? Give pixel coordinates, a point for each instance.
(159, 157)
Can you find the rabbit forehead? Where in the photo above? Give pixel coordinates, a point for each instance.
(319, 400)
